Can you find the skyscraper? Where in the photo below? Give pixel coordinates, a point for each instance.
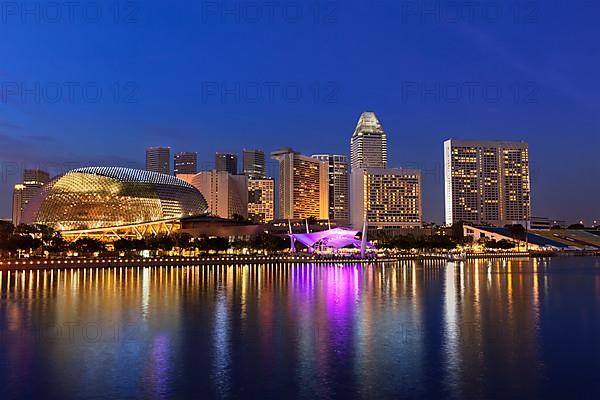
(261, 200)
(389, 198)
(158, 159)
(303, 186)
(185, 163)
(255, 164)
(261, 190)
(487, 182)
(338, 186)
(226, 162)
(33, 180)
(226, 194)
(368, 145)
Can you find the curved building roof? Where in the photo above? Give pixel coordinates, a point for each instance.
(336, 239)
(105, 197)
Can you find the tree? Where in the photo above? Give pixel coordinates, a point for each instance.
(87, 246)
(159, 242)
(182, 240)
(271, 243)
(458, 232)
(124, 245)
(577, 226)
(517, 231)
(6, 233)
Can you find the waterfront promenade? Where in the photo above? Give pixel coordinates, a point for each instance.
(182, 261)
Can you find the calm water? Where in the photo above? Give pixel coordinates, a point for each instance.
(512, 329)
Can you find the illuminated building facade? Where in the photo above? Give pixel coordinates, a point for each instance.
(487, 182)
(368, 145)
(261, 200)
(338, 186)
(389, 198)
(113, 201)
(225, 194)
(158, 159)
(185, 163)
(226, 162)
(303, 186)
(255, 165)
(33, 180)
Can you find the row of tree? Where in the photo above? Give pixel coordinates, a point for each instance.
(42, 240)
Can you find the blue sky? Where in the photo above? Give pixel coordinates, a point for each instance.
(166, 73)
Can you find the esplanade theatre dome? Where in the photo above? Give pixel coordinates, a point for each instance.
(106, 197)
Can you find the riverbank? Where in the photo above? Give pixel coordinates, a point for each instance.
(110, 262)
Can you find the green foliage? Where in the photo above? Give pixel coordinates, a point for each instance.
(87, 246)
(266, 241)
(434, 242)
(516, 231)
(29, 239)
(458, 233)
(501, 244)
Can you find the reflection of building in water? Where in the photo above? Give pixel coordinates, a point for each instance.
(402, 319)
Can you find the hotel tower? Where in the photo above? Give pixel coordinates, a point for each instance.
(388, 198)
(368, 145)
(487, 182)
(303, 186)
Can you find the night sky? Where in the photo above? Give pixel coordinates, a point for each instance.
(167, 72)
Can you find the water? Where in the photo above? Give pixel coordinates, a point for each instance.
(500, 329)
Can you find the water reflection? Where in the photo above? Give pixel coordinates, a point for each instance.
(432, 329)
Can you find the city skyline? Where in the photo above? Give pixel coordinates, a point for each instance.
(165, 84)
(271, 169)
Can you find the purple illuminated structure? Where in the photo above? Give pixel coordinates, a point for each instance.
(330, 240)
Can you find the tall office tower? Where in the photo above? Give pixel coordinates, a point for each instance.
(226, 194)
(33, 180)
(17, 204)
(261, 200)
(261, 190)
(255, 164)
(303, 186)
(158, 159)
(226, 162)
(338, 186)
(389, 198)
(185, 163)
(487, 182)
(368, 145)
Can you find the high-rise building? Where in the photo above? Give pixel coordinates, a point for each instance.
(226, 162)
(338, 186)
(303, 186)
(261, 190)
(487, 182)
(33, 180)
(226, 194)
(389, 198)
(158, 159)
(185, 163)
(255, 164)
(261, 200)
(368, 145)
(17, 203)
